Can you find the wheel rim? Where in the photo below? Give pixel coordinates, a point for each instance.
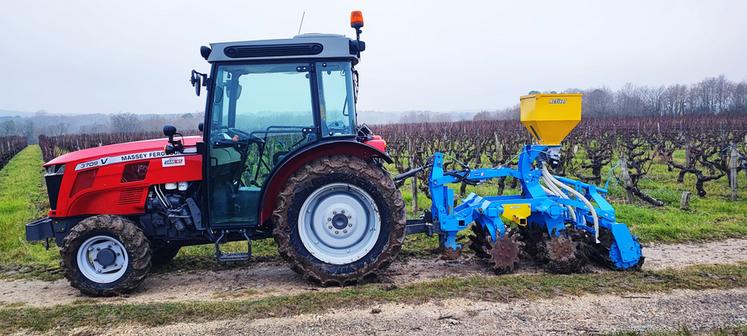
(102, 259)
(339, 223)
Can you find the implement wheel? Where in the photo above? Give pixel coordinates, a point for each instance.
(105, 255)
(339, 220)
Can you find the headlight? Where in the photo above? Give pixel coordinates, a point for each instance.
(55, 170)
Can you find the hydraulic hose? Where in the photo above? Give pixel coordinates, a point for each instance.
(552, 189)
(161, 197)
(553, 180)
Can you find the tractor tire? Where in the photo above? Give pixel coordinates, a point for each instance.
(164, 253)
(313, 240)
(118, 240)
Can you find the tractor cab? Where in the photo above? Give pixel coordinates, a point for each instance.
(267, 101)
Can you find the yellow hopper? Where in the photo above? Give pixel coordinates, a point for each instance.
(550, 117)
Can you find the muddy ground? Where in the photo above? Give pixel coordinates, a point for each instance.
(263, 279)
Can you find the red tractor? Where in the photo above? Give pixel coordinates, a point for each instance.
(281, 156)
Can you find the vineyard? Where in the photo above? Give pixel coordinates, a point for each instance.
(621, 150)
(54, 146)
(10, 146)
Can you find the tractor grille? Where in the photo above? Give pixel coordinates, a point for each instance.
(130, 196)
(53, 189)
(299, 49)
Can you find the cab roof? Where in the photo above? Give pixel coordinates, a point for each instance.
(300, 46)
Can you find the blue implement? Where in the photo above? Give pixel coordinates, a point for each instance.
(562, 209)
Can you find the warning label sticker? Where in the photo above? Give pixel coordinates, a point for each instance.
(175, 161)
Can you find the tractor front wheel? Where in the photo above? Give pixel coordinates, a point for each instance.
(105, 255)
(339, 220)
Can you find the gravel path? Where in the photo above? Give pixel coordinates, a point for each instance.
(695, 310)
(273, 278)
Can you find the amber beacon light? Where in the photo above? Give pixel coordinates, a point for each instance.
(356, 19)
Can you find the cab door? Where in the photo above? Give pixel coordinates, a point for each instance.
(260, 113)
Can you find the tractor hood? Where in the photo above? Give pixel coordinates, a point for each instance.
(135, 147)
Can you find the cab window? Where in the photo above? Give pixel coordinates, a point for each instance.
(336, 98)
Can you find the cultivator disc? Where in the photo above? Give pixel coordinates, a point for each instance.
(504, 254)
(562, 254)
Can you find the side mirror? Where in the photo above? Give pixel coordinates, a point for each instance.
(198, 80)
(174, 146)
(201, 127)
(169, 131)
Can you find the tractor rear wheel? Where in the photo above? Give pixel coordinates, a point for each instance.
(105, 255)
(339, 220)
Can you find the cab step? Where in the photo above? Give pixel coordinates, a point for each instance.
(237, 256)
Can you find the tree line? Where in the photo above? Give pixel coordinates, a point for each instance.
(43, 123)
(711, 96)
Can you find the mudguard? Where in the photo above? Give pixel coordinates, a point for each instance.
(285, 169)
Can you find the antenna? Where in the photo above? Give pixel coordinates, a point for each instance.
(301, 24)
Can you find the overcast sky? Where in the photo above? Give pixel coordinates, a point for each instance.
(135, 56)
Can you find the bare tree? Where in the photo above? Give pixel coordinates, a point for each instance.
(598, 102)
(8, 128)
(125, 122)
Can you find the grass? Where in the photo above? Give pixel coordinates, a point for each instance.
(22, 199)
(712, 217)
(684, 331)
(505, 288)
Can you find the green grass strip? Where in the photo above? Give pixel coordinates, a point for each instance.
(684, 331)
(491, 288)
(22, 199)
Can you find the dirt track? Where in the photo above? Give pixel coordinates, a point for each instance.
(590, 314)
(272, 278)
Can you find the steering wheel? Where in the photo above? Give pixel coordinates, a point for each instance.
(243, 136)
(337, 126)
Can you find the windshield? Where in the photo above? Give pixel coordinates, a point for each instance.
(253, 97)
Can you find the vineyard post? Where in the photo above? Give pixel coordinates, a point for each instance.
(685, 200)
(688, 161)
(414, 186)
(625, 176)
(733, 166)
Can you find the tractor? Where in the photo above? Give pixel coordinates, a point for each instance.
(283, 156)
